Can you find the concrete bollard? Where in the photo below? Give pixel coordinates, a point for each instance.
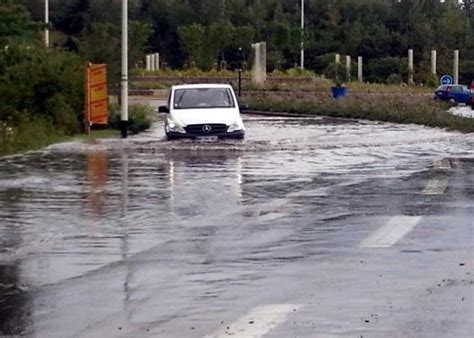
(348, 67)
(156, 58)
(259, 66)
(337, 58)
(410, 66)
(359, 69)
(148, 62)
(433, 62)
(152, 62)
(456, 67)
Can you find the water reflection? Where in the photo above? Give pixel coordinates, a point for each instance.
(97, 166)
(203, 185)
(14, 302)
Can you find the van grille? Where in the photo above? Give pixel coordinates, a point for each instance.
(205, 129)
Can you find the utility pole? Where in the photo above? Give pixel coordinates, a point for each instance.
(46, 22)
(240, 71)
(124, 82)
(302, 34)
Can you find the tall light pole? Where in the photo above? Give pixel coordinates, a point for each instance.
(302, 34)
(46, 22)
(124, 81)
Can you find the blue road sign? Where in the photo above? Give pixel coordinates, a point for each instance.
(446, 80)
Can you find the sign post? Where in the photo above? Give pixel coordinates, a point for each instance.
(446, 80)
(96, 95)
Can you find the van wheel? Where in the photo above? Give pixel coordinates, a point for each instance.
(452, 101)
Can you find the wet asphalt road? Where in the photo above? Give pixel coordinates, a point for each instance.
(308, 228)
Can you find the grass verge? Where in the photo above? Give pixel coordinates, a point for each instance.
(394, 109)
(32, 133)
(24, 138)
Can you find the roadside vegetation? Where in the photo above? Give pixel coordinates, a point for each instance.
(31, 132)
(42, 89)
(396, 109)
(140, 117)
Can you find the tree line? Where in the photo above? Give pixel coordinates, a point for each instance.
(205, 32)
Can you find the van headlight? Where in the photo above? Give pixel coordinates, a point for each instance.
(173, 126)
(236, 125)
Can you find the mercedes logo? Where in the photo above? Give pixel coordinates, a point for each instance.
(206, 128)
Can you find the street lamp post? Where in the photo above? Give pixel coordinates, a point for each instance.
(46, 22)
(124, 78)
(302, 34)
(240, 71)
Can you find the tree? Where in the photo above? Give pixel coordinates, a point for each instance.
(203, 44)
(193, 38)
(15, 24)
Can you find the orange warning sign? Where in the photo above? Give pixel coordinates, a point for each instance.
(96, 94)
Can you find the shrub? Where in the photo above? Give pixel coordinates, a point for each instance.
(28, 133)
(378, 70)
(320, 63)
(298, 72)
(140, 117)
(432, 81)
(394, 79)
(337, 72)
(41, 82)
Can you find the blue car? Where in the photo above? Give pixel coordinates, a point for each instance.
(454, 93)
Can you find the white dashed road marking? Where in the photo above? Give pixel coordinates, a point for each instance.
(257, 322)
(393, 231)
(435, 187)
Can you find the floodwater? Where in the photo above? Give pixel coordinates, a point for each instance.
(91, 230)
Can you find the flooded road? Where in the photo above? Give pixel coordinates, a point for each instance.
(310, 227)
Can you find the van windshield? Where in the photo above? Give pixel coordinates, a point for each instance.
(203, 98)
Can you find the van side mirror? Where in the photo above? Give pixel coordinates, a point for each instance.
(163, 109)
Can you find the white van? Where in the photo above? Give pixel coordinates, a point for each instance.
(203, 112)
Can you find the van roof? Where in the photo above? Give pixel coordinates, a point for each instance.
(202, 85)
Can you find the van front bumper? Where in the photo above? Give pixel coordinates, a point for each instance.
(237, 134)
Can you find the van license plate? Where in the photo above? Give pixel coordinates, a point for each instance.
(207, 138)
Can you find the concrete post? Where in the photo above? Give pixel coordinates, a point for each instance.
(148, 62)
(359, 69)
(348, 67)
(156, 58)
(456, 67)
(433, 62)
(259, 66)
(410, 66)
(46, 22)
(337, 58)
(152, 62)
(302, 33)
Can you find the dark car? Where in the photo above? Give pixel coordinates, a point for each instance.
(472, 95)
(454, 93)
